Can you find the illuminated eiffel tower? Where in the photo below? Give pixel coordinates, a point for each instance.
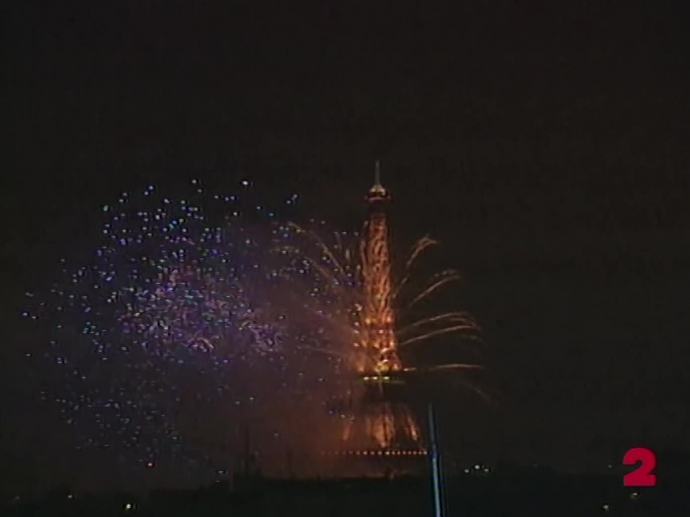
(382, 425)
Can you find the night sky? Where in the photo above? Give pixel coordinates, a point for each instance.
(545, 145)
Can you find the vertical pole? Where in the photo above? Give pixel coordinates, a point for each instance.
(436, 475)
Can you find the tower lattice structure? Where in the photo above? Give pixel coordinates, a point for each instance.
(384, 421)
(378, 332)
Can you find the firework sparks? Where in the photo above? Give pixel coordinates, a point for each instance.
(354, 293)
(173, 315)
(177, 320)
(338, 296)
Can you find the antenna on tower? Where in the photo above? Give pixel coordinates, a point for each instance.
(377, 191)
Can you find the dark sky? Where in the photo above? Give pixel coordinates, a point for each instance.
(546, 144)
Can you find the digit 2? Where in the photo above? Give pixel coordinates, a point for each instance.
(642, 475)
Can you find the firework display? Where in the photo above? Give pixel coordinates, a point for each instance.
(172, 322)
(354, 293)
(197, 322)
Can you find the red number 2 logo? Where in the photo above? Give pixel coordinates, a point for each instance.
(642, 475)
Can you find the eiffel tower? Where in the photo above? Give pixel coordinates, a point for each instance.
(381, 425)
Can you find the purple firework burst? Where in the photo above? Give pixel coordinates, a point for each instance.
(175, 320)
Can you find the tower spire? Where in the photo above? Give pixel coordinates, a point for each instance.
(377, 192)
